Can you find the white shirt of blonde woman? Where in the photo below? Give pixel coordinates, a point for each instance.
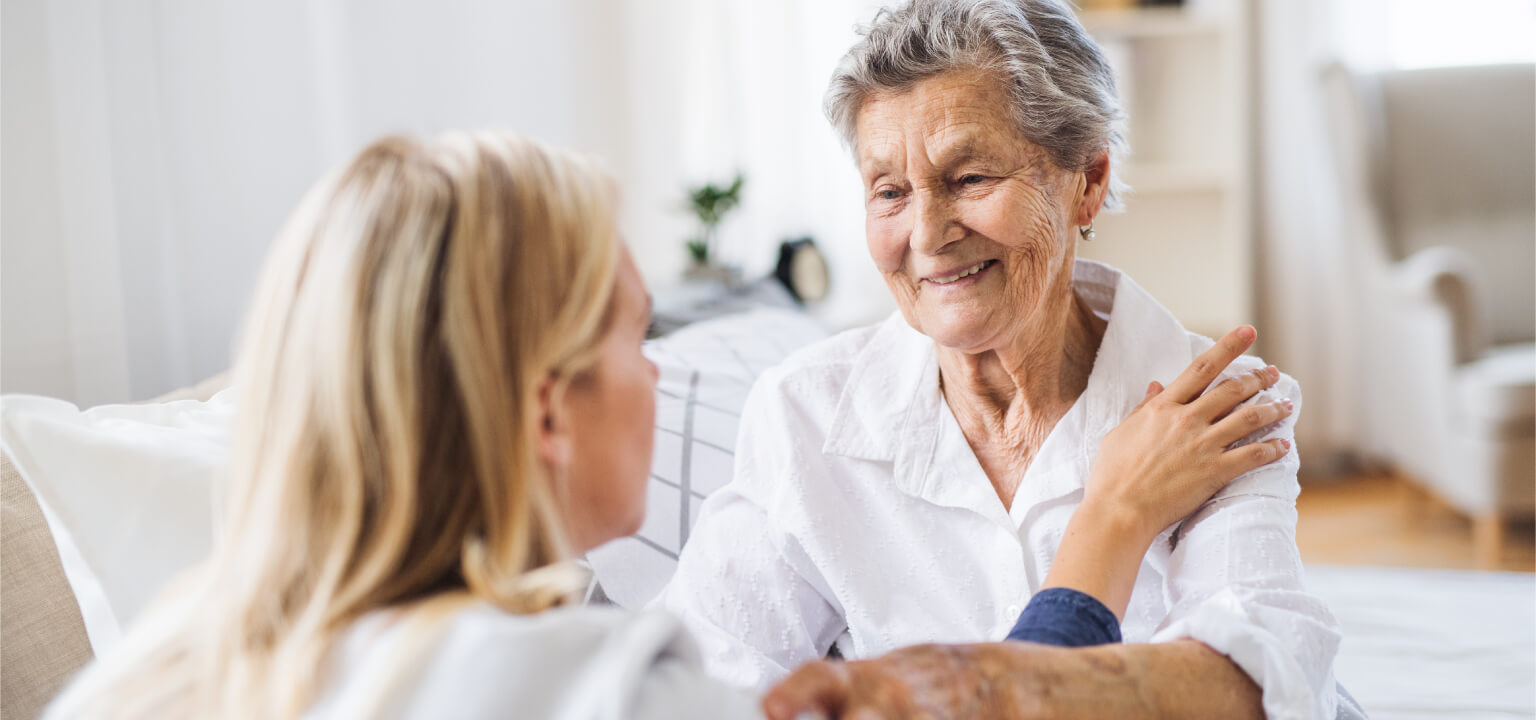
(580, 663)
(858, 514)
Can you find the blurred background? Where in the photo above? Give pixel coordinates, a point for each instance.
(1352, 176)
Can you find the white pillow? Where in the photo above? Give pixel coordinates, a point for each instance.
(706, 370)
(127, 491)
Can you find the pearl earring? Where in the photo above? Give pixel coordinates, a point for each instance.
(1086, 232)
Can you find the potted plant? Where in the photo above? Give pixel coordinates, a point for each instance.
(710, 203)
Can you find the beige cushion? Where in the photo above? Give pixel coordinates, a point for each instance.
(1496, 394)
(44, 636)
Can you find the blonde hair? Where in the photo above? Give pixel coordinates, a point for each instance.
(388, 406)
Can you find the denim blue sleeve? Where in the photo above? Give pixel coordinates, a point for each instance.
(1068, 618)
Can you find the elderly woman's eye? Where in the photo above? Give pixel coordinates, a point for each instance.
(888, 194)
(972, 179)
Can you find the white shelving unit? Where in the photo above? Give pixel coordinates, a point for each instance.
(1187, 232)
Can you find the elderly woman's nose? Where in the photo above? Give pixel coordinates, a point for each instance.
(933, 225)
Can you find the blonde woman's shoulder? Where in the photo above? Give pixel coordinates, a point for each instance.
(578, 662)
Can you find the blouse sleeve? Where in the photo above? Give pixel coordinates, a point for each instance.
(1234, 582)
(744, 586)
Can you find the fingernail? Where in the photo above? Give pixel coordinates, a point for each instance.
(1286, 443)
(1274, 372)
(1288, 405)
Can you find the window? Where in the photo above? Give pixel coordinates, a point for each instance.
(1432, 33)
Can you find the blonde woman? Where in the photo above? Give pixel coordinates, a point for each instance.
(442, 400)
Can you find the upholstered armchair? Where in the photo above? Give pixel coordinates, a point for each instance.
(1436, 168)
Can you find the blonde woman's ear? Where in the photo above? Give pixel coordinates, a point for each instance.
(554, 432)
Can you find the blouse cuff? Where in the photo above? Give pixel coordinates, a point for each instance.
(1066, 618)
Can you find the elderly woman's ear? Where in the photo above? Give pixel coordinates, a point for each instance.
(1095, 189)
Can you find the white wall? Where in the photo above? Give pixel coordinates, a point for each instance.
(34, 313)
(153, 149)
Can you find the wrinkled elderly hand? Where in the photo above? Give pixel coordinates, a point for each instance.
(918, 682)
(1022, 681)
(1001, 681)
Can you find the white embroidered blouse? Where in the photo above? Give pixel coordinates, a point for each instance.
(859, 515)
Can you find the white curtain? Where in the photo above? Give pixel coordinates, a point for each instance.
(163, 143)
(152, 149)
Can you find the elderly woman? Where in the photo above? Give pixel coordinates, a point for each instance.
(914, 481)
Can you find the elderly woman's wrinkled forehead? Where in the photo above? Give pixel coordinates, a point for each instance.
(950, 119)
(1054, 79)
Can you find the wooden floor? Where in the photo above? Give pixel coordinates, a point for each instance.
(1383, 520)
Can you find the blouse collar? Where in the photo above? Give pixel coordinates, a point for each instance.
(890, 407)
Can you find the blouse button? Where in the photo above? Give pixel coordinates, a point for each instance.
(1013, 611)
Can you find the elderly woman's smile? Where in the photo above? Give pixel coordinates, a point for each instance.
(969, 222)
(970, 272)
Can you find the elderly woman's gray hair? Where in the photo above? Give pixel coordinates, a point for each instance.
(1059, 84)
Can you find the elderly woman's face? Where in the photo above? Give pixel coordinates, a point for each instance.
(969, 222)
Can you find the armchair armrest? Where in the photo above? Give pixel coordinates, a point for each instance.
(1443, 277)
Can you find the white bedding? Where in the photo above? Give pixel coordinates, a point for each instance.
(1434, 643)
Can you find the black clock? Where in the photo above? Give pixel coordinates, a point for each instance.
(803, 270)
